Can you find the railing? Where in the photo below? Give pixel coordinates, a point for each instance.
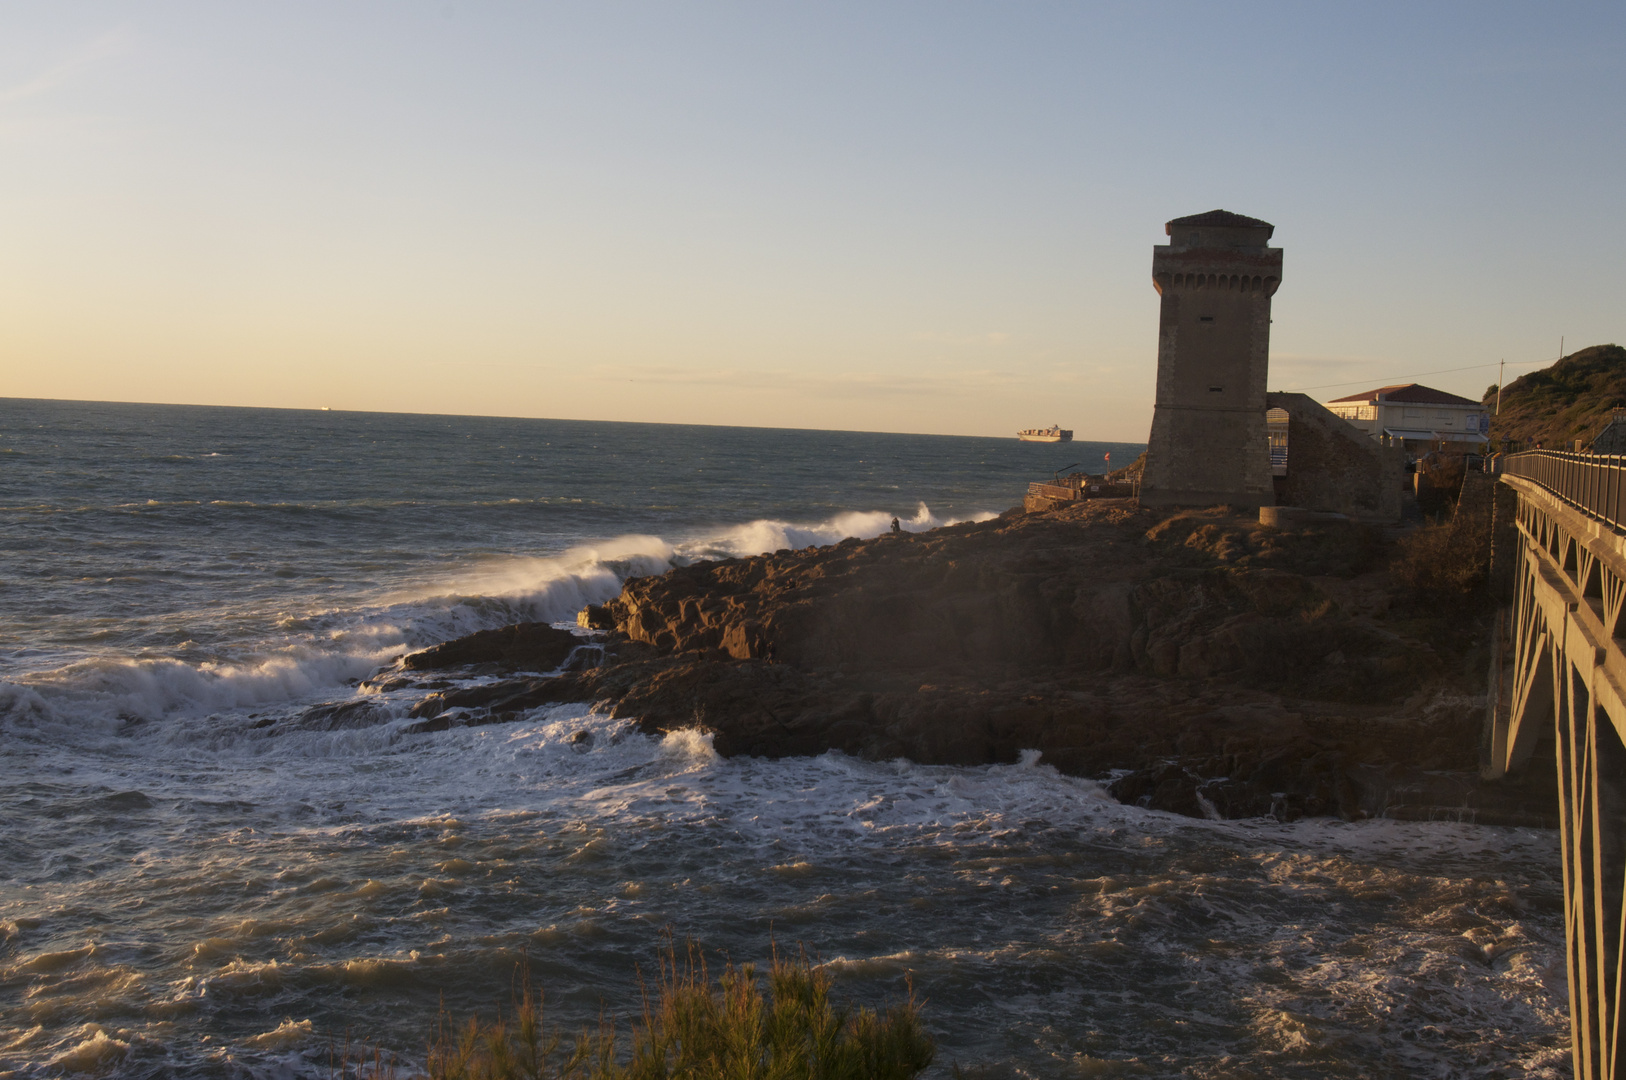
(1044, 490)
(1594, 484)
(1074, 488)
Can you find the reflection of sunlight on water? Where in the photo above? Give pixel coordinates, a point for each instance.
(337, 881)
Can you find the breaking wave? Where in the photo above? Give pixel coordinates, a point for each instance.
(309, 656)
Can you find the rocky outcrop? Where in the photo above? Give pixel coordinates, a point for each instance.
(1101, 588)
(523, 646)
(1212, 665)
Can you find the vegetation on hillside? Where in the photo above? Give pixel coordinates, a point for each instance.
(1570, 400)
(697, 1029)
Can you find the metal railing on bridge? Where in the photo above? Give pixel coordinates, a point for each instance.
(1594, 484)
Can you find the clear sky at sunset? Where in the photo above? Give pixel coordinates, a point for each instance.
(930, 217)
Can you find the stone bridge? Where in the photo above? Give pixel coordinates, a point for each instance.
(1566, 700)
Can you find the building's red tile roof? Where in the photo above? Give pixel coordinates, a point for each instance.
(1410, 394)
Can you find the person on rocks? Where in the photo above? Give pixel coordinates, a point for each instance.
(896, 528)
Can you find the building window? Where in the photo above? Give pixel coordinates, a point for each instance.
(1216, 389)
(1205, 318)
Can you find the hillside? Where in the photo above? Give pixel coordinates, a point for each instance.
(1570, 400)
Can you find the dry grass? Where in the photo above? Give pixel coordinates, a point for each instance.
(1218, 536)
(1441, 561)
(695, 1029)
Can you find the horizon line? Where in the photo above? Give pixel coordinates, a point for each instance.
(559, 419)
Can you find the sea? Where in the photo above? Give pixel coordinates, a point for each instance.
(196, 883)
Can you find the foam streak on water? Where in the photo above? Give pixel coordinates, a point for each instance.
(197, 879)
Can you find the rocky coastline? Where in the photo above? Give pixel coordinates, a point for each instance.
(1197, 661)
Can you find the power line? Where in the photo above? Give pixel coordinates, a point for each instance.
(1394, 378)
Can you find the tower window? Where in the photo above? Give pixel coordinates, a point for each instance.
(1216, 389)
(1205, 318)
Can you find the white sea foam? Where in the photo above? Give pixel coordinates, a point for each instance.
(97, 1053)
(761, 536)
(393, 828)
(312, 656)
(542, 588)
(553, 588)
(286, 1034)
(151, 688)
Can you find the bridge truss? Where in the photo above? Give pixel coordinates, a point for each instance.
(1569, 691)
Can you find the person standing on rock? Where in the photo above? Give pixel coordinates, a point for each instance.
(896, 528)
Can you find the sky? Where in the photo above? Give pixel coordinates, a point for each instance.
(892, 216)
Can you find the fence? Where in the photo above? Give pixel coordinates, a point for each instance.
(1042, 490)
(1074, 488)
(1594, 484)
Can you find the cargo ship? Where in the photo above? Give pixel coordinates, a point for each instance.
(1049, 434)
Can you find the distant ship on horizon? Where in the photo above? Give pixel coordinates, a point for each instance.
(1049, 434)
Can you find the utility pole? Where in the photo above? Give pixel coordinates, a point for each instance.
(1501, 372)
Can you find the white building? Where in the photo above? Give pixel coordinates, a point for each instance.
(1419, 416)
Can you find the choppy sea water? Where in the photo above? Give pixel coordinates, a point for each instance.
(188, 890)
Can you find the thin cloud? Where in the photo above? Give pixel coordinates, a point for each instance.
(65, 70)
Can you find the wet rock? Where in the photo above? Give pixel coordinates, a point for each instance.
(429, 708)
(385, 683)
(1226, 669)
(586, 656)
(435, 723)
(523, 646)
(595, 617)
(125, 800)
(463, 718)
(340, 716)
(509, 698)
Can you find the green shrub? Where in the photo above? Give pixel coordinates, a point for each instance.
(694, 1029)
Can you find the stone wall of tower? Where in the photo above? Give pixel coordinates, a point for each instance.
(1208, 443)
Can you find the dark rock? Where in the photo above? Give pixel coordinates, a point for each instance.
(385, 683)
(585, 657)
(523, 646)
(595, 617)
(497, 702)
(437, 723)
(1230, 670)
(430, 707)
(341, 716)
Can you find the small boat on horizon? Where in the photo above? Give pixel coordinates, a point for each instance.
(1052, 433)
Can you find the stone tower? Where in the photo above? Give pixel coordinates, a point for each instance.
(1208, 442)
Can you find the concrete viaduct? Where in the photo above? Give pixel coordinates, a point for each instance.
(1566, 700)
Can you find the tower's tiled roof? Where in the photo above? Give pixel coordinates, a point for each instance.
(1409, 394)
(1224, 219)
